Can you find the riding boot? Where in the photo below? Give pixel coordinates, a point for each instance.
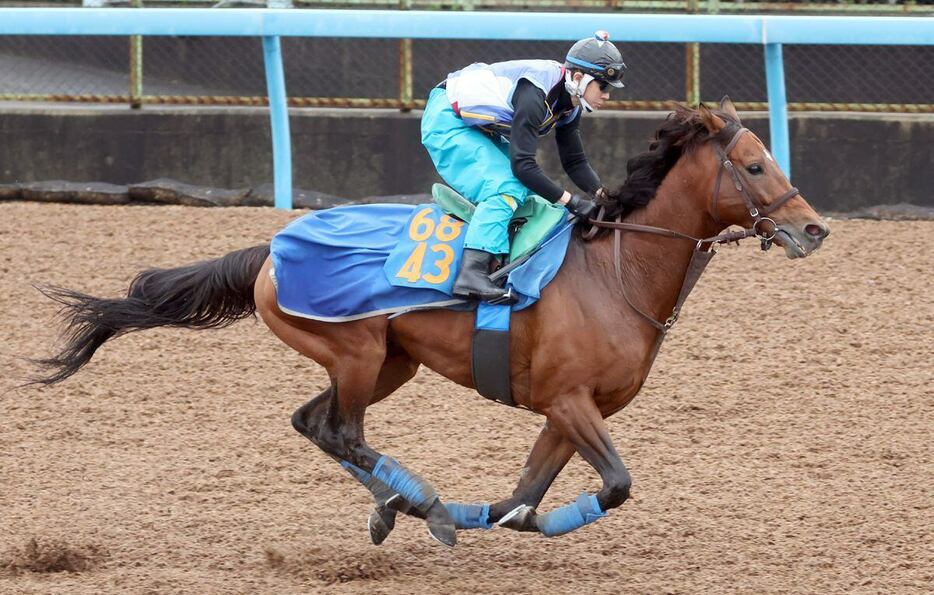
(473, 281)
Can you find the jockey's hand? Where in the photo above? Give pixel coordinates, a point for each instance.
(584, 208)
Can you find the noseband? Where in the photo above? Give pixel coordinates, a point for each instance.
(701, 256)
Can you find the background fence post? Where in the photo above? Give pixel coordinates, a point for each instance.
(279, 115)
(136, 65)
(692, 65)
(405, 66)
(778, 106)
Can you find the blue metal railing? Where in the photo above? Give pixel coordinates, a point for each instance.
(270, 24)
(279, 115)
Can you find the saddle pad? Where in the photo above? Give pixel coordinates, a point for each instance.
(429, 251)
(329, 265)
(541, 217)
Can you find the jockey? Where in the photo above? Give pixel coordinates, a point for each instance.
(481, 127)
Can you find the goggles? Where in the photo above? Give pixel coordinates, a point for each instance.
(612, 75)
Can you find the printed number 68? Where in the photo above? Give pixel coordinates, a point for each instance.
(423, 226)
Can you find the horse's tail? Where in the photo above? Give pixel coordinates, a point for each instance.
(209, 294)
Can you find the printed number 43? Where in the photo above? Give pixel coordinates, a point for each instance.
(420, 230)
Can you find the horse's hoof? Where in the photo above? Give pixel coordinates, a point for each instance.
(445, 534)
(441, 524)
(520, 518)
(399, 504)
(381, 523)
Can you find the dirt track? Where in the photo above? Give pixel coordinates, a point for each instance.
(783, 442)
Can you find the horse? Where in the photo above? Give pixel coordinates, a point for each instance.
(581, 354)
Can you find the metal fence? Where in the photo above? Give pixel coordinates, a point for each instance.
(341, 72)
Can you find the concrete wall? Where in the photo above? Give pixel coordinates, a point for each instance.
(839, 161)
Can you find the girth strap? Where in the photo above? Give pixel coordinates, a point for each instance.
(489, 353)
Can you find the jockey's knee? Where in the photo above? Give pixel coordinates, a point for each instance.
(503, 204)
(488, 230)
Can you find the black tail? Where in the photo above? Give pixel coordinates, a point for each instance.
(210, 294)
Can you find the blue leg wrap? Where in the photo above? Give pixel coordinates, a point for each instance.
(361, 475)
(381, 492)
(559, 521)
(410, 486)
(470, 516)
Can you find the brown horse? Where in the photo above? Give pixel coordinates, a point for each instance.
(580, 355)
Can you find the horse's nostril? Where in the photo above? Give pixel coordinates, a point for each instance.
(816, 230)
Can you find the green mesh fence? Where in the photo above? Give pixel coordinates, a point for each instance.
(399, 73)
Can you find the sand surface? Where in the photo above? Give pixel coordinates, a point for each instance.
(783, 442)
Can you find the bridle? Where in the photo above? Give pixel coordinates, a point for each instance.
(701, 255)
(757, 210)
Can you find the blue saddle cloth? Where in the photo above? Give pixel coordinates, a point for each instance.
(358, 261)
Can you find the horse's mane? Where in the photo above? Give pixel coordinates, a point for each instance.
(682, 132)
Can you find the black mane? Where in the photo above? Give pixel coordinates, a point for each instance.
(682, 132)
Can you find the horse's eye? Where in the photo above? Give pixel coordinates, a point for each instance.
(755, 169)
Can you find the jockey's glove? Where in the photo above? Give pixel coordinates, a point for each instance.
(584, 208)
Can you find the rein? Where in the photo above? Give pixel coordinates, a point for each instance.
(699, 260)
(701, 256)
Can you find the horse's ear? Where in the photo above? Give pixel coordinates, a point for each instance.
(727, 107)
(712, 121)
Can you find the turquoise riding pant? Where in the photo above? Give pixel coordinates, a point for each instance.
(477, 166)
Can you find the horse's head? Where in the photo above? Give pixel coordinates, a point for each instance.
(750, 189)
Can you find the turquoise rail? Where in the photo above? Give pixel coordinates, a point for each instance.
(271, 24)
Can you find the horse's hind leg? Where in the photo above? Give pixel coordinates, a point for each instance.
(382, 519)
(397, 370)
(354, 354)
(340, 433)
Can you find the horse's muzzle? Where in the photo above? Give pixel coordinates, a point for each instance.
(800, 240)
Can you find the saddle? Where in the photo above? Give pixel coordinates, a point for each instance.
(529, 226)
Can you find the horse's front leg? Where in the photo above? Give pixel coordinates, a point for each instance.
(577, 418)
(550, 453)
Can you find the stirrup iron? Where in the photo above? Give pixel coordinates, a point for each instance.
(507, 299)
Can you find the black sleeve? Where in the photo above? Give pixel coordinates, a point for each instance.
(573, 158)
(529, 112)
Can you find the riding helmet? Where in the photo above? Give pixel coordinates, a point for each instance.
(597, 57)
